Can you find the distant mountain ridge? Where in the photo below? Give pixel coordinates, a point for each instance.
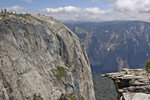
(114, 45)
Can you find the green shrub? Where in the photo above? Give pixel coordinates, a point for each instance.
(148, 66)
(61, 72)
(71, 96)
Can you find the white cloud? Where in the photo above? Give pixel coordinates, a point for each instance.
(133, 5)
(94, 10)
(61, 9)
(73, 13)
(120, 10)
(18, 9)
(29, 1)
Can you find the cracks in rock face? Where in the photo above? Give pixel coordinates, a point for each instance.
(34, 46)
(6, 84)
(63, 49)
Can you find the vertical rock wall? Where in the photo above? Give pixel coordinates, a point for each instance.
(41, 58)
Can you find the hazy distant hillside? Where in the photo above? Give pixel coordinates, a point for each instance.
(113, 45)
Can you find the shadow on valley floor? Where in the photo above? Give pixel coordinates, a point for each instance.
(104, 88)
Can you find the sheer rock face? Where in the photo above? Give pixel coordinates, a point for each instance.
(40, 56)
(131, 84)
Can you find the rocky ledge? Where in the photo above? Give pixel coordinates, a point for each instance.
(131, 84)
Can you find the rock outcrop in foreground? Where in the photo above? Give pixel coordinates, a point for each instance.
(131, 84)
(41, 59)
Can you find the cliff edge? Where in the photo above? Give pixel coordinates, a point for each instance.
(41, 59)
(131, 84)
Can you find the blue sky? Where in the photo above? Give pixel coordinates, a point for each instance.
(35, 5)
(83, 10)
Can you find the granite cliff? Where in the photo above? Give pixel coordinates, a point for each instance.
(41, 59)
(131, 84)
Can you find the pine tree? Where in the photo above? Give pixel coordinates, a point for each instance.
(148, 66)
(148, 69)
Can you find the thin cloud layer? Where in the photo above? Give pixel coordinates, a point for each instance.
(18, 9)
(74, 13)
(28, 1)
(127, 10)
(133, 5)
(61, 9)
(120, 10)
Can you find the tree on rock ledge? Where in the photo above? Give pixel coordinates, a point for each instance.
(148, 69)
(148, 66)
